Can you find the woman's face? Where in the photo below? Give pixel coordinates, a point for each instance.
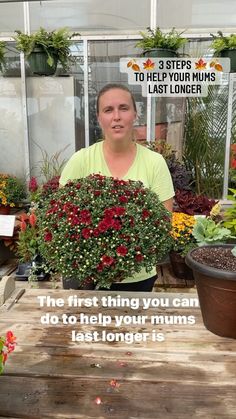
(116, 114)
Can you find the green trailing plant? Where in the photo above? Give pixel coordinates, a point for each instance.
(56, 44)
(221, 42)
(2, 55)
(157, 39)
(207, 232)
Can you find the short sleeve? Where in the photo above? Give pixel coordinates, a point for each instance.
(162, 181)
(74, 168)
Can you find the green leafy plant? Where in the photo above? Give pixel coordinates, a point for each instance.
(204, 140)
(103, 229)
(56, 44)
(2, 55)
(157, 39)
(7, 345)
(12, 190)
(28, 242)
(221, 42)
(230, 213)
(207, 232)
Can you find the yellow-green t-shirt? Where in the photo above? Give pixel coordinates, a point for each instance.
(148, 166)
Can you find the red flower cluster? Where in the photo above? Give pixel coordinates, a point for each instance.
(7, 345)
(33, 184)
(103, 228)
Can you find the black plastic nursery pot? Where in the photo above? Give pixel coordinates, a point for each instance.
(159, 52)
(216, 290)
(73, 283)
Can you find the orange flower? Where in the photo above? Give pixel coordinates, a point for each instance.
(32, 219)
(23, 226)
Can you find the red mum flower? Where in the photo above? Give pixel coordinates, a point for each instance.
(139, 257)
(85, 216)
(107, 260)
(116, 225)
(123, 199)
(86, 233)
(121, 250)
(145, 213)
(48, 237)
(120, 210)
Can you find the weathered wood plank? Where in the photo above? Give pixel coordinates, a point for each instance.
(46, 398)
(51, 365)
(49, 376)
(8, 267)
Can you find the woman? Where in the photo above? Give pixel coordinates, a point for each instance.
(119, 156)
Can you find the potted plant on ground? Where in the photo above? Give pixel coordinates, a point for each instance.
(225, 47)
(99, 230)
(28, 248)
(44, 50)
(12, 192)
(214, 269)
(156, 43)
(183, 242)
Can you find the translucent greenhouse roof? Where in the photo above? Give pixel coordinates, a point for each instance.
(118, 16)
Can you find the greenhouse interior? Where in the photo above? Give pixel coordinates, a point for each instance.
(118, 209)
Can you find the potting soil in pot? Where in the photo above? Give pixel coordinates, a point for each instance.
(219, 258)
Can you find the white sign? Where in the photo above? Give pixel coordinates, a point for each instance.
(166, 77)
(7, 223)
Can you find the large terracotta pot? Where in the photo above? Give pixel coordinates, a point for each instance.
(217, 295)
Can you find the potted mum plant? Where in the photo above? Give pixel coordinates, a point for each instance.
(183, 242)
(225, 47)
(156, 43)
(44, 50)
(214, 268)
(12, 192)
(99, 230)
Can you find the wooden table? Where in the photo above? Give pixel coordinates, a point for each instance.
(191, 374)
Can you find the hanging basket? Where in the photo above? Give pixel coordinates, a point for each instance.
(38, 64)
